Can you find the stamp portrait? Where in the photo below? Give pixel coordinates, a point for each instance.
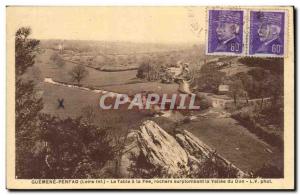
(266, 33)
(225, 32)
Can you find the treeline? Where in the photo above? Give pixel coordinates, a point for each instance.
(47, 146)
(123, 55)
(257, 121)
(275, 65)
(255, 83)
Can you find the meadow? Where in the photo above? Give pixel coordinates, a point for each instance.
(235, 143)
(230, 139)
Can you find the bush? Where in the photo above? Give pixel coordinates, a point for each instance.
(209, 80)
(213, 168)
(210, 167)
(205, 103)
(269, 171)
(248, 118)
(57, 59)
(141, 168)
(73, 149)
(148, 71)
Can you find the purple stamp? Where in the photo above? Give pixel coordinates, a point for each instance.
(266, 33)
(225, 32)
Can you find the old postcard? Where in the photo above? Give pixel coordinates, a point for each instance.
(150, 97)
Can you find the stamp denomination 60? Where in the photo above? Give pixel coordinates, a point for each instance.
(266, 33)
(225, 32)
(246, 32)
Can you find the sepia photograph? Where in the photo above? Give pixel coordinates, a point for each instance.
(101, 95)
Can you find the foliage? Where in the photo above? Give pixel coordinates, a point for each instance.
(49, 147)
(148, 70)
(75, 149)
(57, 59)
(257, 83)
(209, 79)
(275, 65)
(258, 121)
(210, 167)
(269, 171)
(266, 84)
(114, 56)
(25, 50)
(205, 103)
(78, 73)
(236, 88)
(27, 104)
(141, 168)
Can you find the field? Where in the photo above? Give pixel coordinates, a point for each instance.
(235, 143)
(76, 100)
(225, 135)
(95, 78)
(230, 139)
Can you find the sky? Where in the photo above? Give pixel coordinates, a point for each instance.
(138, 24)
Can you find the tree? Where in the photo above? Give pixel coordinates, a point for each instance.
(209, 82)
(78, 73)
(247, 84)
(25, 50)
(275, 65)
(57, 59)
(261, 82)
(74, 149)
(148, 70)
(209, 78)
(27, 104)
(46, 146)
(236, 89)
(274, 87)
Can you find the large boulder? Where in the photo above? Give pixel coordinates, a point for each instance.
(181, 155)
(161, 149)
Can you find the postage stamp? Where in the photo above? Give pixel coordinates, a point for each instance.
(225, 32)
(266, 33)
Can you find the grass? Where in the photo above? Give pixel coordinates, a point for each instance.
(235, 143)
(121, 82)
(75, 100)
(95, 78)
(231, 140)
(134, 88)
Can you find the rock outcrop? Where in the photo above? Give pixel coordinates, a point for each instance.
(181, 155)
(160, 148)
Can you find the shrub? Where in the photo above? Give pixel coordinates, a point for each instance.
(148, 71)
(269, 171)
(250, 119)
(142, 168)
(212, 168)
(205, 103)
(57, 59)
(74, 149)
